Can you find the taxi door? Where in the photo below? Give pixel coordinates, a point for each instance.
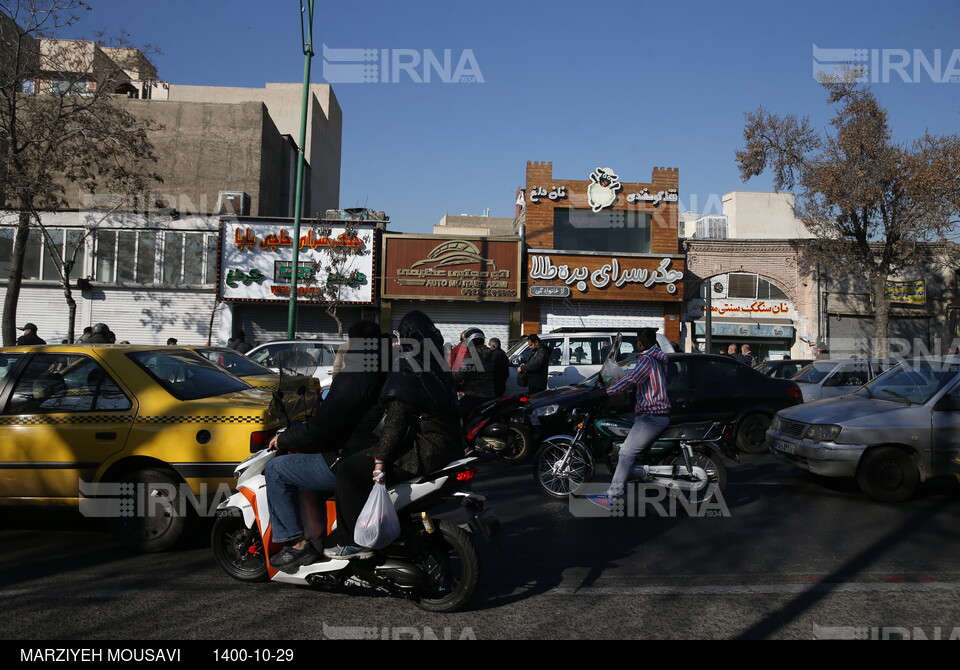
(63, 414)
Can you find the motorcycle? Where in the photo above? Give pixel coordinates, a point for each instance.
(685, 458)
(496, 427)
(432, 562)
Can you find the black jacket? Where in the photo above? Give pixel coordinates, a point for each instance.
(29, 339)
(344, 421)
(476, 372)
(501, 371)
(537, 369)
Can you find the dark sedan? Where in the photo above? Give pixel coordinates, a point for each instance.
(702, 387)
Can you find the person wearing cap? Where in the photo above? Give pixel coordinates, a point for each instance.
(475, 374)
(101, 334)
(29, 336)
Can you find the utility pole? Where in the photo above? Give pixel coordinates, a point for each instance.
(306, 36)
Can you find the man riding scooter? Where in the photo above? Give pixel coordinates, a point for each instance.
(342, 423)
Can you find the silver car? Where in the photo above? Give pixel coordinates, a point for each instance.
(892, 434)
(831, 378)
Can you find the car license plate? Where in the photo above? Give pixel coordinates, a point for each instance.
(785, 447)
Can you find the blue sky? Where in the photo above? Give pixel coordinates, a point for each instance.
(630, 85)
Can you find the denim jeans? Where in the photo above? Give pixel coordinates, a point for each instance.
(285, 476)
(646, 429)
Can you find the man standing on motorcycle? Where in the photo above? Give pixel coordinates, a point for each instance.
(649, 376)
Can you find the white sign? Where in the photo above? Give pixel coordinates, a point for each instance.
(256, 259)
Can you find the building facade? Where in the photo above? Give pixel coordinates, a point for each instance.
(601, 253)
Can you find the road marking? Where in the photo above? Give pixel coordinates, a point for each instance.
(750, 589)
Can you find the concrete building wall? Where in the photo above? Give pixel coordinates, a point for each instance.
(466, 224)
(762, 216)
(283, 102)
(204, 148)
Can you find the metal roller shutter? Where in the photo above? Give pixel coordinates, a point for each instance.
(555, 314)
(142, 316)
(453, 318)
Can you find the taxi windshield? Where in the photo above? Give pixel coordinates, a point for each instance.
(186, 376)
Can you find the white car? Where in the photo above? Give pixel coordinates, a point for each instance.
(574, 356)
(318, 354)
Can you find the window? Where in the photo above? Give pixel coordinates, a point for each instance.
(172, 258)
(587, 350)
(65, 383)
(746, 285)
(613, 230)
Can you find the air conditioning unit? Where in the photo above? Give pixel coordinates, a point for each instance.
(233, 202)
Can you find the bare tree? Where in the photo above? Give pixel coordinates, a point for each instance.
(874, 206)
(62, 127)
(340, 270)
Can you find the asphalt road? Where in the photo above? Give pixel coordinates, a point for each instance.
(795, 557)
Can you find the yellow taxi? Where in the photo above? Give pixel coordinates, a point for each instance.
(143, 436)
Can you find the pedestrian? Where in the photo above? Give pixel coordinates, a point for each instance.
(732, 353)
(501, 367)
(240, 343)
(171, 341)
(475, 374)
(748, 357)
(87, 332)
(456, 355)
(537, 367)
(29, 336)
(649, 376)
(100, 334)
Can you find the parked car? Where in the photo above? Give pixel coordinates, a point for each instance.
(701, 387)
(574, 356)
(892, 434)
(783, 369)
(831, 378)
(318, 354)
(162, 420)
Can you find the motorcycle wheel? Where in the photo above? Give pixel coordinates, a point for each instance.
(519, 448)
(715, 468)
(452, 568)
(577, 471)
(239, 550)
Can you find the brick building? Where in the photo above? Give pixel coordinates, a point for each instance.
(602, 253)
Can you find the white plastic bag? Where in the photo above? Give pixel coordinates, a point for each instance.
(611, 372)
(378, 524)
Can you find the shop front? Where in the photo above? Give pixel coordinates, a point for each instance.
(460, 282)
(335, 268)
(602, 254)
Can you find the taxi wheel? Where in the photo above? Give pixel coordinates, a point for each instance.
(888, 474)
(152, 515)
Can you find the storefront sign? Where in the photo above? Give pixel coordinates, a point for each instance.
(745, 330)
(906, 292)
(609, 278)
(256, 259)
(655, 198)
(550, 291)
(742, 306)
(555, 193)
(433, 267)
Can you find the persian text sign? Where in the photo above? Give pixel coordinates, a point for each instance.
(906, 292)
(606, 278)
(436, 267)
(256, 259)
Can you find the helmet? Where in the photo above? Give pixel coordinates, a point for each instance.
(472, 334)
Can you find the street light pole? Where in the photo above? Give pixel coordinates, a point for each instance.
(306, 36)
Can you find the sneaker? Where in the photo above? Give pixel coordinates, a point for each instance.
(289, 559)
(348, 552)
(601, 500)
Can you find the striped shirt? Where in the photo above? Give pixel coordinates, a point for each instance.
(650, 377)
